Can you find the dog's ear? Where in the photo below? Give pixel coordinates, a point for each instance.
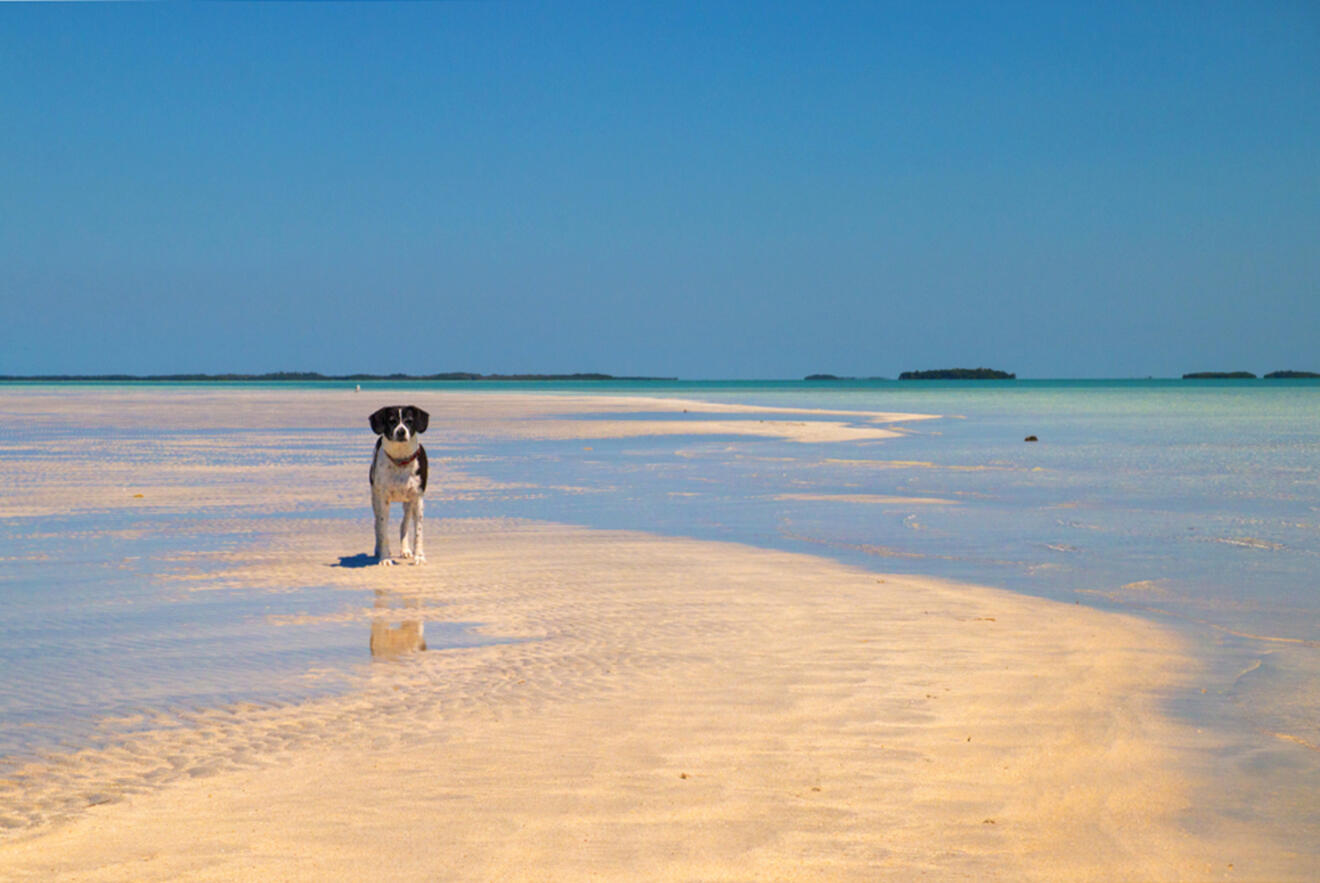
(421, 419)
(378, 421)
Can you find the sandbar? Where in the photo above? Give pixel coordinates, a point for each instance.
(656, 707)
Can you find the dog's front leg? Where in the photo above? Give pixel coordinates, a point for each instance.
(381, 506)
(418, 556)
(405, 534)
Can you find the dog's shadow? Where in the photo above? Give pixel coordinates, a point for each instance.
(361, 559)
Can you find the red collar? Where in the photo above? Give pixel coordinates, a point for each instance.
(406, 461)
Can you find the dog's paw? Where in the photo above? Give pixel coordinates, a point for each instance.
(406, 554)
(419, 559)
(385, 562)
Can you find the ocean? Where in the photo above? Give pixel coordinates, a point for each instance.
(1194, 503)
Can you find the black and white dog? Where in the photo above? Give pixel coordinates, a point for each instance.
(398, 475)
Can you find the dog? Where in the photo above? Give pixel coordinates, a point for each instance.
(398, 475)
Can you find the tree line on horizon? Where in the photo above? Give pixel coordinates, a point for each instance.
(315, 375)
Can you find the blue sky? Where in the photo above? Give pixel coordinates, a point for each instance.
(693, 189)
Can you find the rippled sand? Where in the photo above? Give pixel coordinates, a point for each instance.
(659, 709)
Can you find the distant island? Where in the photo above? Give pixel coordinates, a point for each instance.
(958, 374)
(837, 377)
(1220, 375)
(1291, 375)
(309, 375)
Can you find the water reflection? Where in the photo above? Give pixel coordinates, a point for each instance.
(394, 632)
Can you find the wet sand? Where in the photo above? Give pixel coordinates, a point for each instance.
(662, 708)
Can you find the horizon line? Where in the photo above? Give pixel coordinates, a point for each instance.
(587, 377)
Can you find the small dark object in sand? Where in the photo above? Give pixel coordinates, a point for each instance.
(1031, 438)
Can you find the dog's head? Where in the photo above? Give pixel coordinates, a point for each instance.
(399, 422)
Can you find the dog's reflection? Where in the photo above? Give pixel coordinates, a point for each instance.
(389, 640)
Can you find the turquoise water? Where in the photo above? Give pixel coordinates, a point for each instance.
(1205, 494)
(1193, 503)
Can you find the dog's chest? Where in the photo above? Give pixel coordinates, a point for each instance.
(396, 483)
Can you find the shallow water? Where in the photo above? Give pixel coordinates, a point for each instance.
(94, 640)
(99, 635)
